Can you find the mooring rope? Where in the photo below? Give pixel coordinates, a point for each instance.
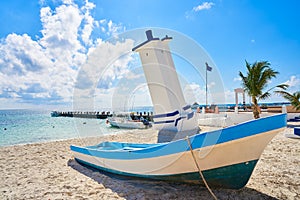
(199, 170)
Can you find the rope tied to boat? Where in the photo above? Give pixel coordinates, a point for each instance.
(199, 170)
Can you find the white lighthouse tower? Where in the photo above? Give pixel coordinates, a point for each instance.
(172, 115)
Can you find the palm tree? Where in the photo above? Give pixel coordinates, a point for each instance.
(293, 98)
(258, 76)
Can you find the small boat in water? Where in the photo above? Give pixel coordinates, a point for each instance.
(128, 123)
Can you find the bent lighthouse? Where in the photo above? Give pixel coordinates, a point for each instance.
(173, 116)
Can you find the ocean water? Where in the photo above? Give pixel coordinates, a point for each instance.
(30, 126)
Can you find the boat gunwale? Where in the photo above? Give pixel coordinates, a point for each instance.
(180, 145)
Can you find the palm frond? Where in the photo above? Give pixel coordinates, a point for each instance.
(264, 96)
(283, 86)
(285, 94)
(294, 98)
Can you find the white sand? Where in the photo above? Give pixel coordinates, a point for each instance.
(48, 171)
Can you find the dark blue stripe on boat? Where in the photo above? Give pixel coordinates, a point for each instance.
(178, 119)
(242, 130)
(186, 107)
(164, 122)
(190, 115)
(167, 114)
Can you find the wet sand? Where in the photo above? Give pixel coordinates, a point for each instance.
(48, 171)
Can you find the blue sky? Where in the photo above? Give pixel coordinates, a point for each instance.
(44, 44)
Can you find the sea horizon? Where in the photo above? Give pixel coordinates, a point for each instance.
(26, 126)
(34, 125)
(140, 108)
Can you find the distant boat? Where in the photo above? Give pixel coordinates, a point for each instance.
(126, 121)
(226, 157)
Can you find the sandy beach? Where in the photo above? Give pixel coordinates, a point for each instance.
(48, 171)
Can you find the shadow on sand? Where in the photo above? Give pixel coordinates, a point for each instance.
(135, 188)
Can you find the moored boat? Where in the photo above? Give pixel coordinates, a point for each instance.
(226, 156)
(127, 123)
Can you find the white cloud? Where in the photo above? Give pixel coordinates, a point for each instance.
(230, 96)
(44, 70)
(203, 6)
(194, 93)
(293, 82)
(129, 92)
(211, 85)
(110, 28)
(106, 65)
(237, 79)
(109, 62)
(87, 29)
(190, 14)
(67, 1)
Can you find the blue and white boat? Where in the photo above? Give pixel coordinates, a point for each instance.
(225, 157)
(121, 122)
(128, 121)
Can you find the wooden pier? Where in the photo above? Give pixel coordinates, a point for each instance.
(101, 115)
(79, 114)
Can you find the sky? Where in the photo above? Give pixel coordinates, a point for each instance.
(50, 50)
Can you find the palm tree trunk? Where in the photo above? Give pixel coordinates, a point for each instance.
(255, 108)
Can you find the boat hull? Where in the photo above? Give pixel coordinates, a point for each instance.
(128, 125)
(233, 176)
(226, 157)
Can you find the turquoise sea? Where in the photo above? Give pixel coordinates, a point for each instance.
(30, 126)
